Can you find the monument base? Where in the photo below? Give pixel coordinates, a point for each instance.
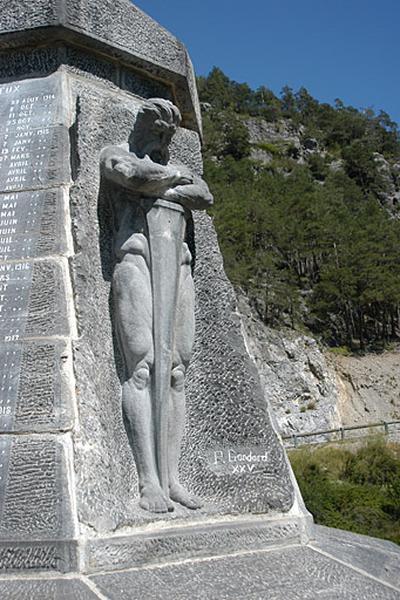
(167, 544)
(334, 565)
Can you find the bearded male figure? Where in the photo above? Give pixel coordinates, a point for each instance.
(153, 296)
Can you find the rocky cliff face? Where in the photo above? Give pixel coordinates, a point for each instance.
(283, 136)
(310, 389)
(298, 381)
(369, 387)
(390, 174)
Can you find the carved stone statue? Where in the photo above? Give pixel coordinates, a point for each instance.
(153, 296)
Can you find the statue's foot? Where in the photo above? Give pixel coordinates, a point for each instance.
(153, 499)
(177, 493)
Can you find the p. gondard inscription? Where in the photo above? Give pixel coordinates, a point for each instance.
(154, 296)
(238, 460)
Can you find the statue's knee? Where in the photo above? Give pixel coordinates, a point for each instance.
(141, 376)
(178, 378)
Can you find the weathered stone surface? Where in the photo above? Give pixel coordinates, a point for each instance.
(299, 383)
(32, 136)
(120, 29)
(38, 556)
(226, 407)
(40, 13)
(33, 300)
(181, 543)
(378, 558)
(142, 86)
(25, 63)
(291, 574)
(31, 224)
(46, 589)
(34, 496)
(35, 505)
(34, 392)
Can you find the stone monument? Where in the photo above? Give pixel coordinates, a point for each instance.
(100, 175)
(100, 243)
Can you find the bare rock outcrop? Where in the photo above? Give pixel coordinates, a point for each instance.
(310, 389)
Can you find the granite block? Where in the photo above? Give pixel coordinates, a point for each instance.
(290, 574)
(378, 558)
(182, 543)
(34, 496)
(46, 589)
(34, 389)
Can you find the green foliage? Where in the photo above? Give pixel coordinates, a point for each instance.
(356, 491)
(223, 94)
(311, 247)
(340, 350)
(269, 147)
(225, 134)
(319, 166)
(361, 166)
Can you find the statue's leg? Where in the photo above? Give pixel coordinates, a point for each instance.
(133, 324)
(184, 336)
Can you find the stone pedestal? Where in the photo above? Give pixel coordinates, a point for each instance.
(73, 75)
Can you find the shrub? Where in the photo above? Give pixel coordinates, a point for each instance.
(357, 491)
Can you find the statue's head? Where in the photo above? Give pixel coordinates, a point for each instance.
(156, 123)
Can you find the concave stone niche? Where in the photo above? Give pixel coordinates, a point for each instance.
(231, 455)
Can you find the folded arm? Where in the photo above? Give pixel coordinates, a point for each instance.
(140, 175)
(195, 196)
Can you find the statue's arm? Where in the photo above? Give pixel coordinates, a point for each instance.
(195, 196)
(140, 175)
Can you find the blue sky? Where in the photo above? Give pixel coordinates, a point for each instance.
(348, 49)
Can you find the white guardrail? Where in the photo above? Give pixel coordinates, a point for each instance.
(390, 429)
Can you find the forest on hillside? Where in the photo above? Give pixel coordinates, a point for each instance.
(311, 233)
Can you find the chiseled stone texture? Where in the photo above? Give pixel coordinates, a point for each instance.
(185, 542)
(47, 313)
(124, 25)
(16, 17)
(35, 499)
(226, 408)
(35, 507)
(43, 400)
(120, 28)
(378, 558)
(117, 22)
(46, 589)
(38, 556)
(225, 401)
(290, 574)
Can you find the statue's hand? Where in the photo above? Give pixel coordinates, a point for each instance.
(183, 180)
(183, 175)
(196, 196)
